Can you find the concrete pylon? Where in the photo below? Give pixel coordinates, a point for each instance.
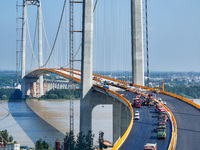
(23, 71)
(24, 40)
(40, 46)
(137, 42)
(86, 66)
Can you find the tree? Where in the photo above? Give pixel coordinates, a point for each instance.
(81, 143)
(4, 97)
(89, 140)
(17, 95)
(41, 145)
(10, 139)
(69, 138)
(101, 139)
(6, 137)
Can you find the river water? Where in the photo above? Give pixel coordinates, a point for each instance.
(49, 120)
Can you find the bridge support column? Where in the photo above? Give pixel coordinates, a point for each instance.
(86, 66)
(34, 89)
(24, 42)
(116, 121)
(137, 42)
(121, 114)
(40, 47)
(124, 119)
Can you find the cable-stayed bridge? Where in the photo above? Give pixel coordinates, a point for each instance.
(93, 44)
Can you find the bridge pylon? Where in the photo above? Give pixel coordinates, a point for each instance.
(23, 70)
(137, 42)
(86, 65)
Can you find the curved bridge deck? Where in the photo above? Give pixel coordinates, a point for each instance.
(187, 118)
(188, 123)
(143, 129)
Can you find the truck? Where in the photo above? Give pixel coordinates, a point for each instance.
(161, 109)
(136, 102)
(164, 116)
(150, 102)
(157, 106)
(161, 132)
(150, 146)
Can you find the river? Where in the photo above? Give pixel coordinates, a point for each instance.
(49, 120)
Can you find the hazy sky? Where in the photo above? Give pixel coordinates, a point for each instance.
(174, 33)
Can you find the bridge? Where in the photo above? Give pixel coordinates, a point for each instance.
(127, 133)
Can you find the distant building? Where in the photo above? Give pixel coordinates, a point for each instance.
(11, 147)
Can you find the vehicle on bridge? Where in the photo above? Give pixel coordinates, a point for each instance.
(164, 116)
(161, 109)
(136, 102)
(164, 123)
(105, 86)
(137, 115)
(150, 146)
(157, 106)
(161, 132)
(150, 102)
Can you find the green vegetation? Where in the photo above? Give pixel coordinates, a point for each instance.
(6, 137)
(187, 92)
(83, 142)
(61, 94)
(10, 94)
(42, 145)
(7, 78)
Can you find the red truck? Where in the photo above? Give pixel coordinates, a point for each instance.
(136, 102)
(157, 106)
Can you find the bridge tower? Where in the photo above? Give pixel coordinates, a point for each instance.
(23, 71)
(86, 66)
(137, 42)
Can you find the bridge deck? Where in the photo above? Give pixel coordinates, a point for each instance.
(187, 118)
(188, 123)
(143, 129)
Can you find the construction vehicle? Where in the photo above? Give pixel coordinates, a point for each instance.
(161, 132)
(149, 100)
(157, 106)
(150, 146)
(136, 102)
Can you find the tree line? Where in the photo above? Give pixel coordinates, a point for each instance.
(82, 142)
(187, 92)
(10, 94)
(61, 94)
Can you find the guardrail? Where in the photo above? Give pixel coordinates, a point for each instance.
(181, 98)
(122, 139)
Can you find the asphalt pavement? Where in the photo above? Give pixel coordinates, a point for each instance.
(188, 123)
(142, 131)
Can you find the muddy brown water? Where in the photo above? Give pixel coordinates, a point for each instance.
(49, 120)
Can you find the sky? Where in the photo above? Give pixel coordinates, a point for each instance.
(174, 33)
